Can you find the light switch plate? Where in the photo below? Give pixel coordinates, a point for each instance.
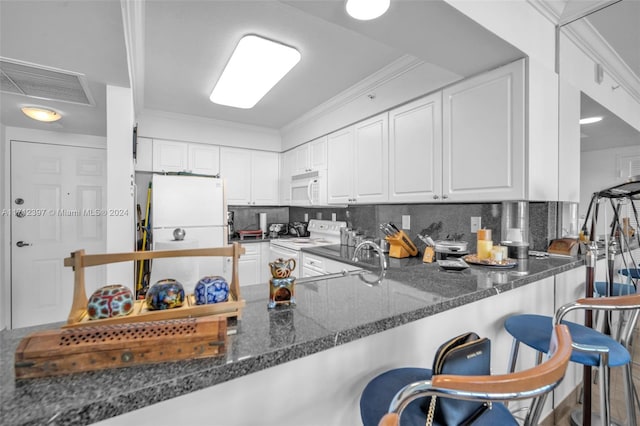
(406, 221)
(476, 223)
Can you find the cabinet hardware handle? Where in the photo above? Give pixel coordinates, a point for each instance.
(445, 197)
(435, 197)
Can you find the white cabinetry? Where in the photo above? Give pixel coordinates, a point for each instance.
(310, 156)
(415, 150)
(313, 265)
(287, 162)
(252, 266)
(172, 156)
(251, 176)
(484, 137)
(144, 155)
(358, 167)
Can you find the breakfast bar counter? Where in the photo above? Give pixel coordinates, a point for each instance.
(328, 313)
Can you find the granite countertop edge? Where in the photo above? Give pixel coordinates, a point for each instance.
(211, 371)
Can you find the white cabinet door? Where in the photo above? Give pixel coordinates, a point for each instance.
(169, 156)
(235, 165)
(483, 137)
(340, 166)
(287, 160)
(415, 150)
(318, 154)
(203, 159)
(144, 155)
(301, 159)
(252, 176)
(265, 171)
(371, 159)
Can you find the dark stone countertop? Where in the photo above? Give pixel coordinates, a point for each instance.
(327, 313)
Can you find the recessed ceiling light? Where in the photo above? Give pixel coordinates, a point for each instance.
(41, 114)
(589, 120)
(256, 65)
(365, 10)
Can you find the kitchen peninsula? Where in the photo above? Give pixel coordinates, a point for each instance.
(337, 326)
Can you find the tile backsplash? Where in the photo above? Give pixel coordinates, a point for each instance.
(440, 221)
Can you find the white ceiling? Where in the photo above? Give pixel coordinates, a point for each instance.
(187, 43)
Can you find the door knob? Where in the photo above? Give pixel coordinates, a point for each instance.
(22, 244)
(19, 201)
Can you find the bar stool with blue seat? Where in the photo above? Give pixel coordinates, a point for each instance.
(630, 273)
(401, 396)
(591, 347)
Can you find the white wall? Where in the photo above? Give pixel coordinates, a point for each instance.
(186, 128)
(600, 171)
(578, 69)
(120, 181)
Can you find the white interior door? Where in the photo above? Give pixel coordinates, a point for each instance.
(58, 197)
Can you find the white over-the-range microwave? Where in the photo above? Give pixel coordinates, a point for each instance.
(309, 189)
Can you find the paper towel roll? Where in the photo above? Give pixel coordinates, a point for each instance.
(263, 223)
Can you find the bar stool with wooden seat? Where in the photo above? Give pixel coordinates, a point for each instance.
(591, 347)
(534, 383)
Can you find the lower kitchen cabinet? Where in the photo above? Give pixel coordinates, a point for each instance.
(313, 265)
(252, 266)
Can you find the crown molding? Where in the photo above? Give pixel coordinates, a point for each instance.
(550, 10)
(390, 72)
(133, 19)
(208, 121)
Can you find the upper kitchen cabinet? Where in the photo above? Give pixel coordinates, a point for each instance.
(310, 156)
(252, 177)
(415, 150)
(484, 137)
(144, 155)
(172, 156)
(318, 154)
(358, 166)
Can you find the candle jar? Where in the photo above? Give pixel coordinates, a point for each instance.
(484, 244)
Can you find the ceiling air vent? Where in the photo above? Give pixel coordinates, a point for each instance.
(43, 83)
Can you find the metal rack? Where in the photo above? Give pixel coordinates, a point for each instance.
(614, 244)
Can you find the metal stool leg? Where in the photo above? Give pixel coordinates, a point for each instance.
(513, 357)
(605, 399)
(629, 391)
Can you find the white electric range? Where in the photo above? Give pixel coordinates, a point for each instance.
(321, 233)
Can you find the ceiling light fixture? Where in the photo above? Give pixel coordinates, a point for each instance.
(256, 65)
(590, 120)
(41, 114)
(365, 10)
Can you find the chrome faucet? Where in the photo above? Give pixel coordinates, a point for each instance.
(383, 260)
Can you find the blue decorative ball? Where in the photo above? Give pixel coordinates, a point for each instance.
(165, 294)
(211, 289)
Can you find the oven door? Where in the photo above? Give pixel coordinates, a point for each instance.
(278, 252)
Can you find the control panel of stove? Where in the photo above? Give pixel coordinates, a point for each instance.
(325, 226)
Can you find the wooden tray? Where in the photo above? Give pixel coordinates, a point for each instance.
(58, 352)
(78, 314)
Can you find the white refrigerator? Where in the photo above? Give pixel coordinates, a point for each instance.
(197, 205)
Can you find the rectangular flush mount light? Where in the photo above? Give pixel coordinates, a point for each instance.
(256, 65)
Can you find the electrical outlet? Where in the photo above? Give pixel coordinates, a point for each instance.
(333, 217)
(476, 223)
(406, 221)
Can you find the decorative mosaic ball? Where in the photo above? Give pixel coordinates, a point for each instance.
(165, 294)
(110, 301)
(211, 289)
